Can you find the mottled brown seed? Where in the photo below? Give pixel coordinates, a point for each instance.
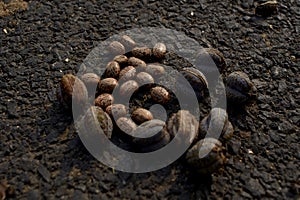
(160, 95)
(144, 78)
(155, 70)
(107, 85)
(186, 124)
(137, 63)
(91, 81)
(127, 73)
(141, 52)
(149, 133)
(72, 89)
(128, 88)
(96, 121)
(196, 79)
(211, 60)
(159, 50)
(104, 100)
(206, 156)
(112, 70)
(121, 59)
(116, 48)
(128, 42)
(116, 111)
(216, 125)
(165, 139)
(126, 125)
(141, 115)
(239, 88)
(267, 9)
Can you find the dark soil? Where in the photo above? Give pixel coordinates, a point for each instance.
(41, 155)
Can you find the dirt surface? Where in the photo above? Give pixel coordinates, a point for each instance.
(8, 8)
(41, 155)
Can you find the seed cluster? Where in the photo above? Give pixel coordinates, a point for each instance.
(131, 70)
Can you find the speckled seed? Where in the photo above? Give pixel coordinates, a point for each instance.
(216, 124)
(107, 85)
(126, 125)
(185, 123)
(210, 60)
(112, 70)
(267, 8)
(72, 89)
(116, 48)
(141, 115)
(155, 70)
(137, 63)
(159, 50)
(128, 42)
(90, 80)
(155, 145)
(127, 73)
(196, 79)
(141, 52)
(206, 156)
(144, 78)
(239, 88)
(128, 88)
(116, 111)
(91, 120)
(160, 95)
(149, 133)
(121, 59)
(227, 132)
(104, 100)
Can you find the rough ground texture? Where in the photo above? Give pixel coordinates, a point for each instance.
(41, 155)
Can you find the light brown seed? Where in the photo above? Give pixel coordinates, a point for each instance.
(211, 60)
(206, 156)
(107, 85)
(155, 70)
(112, 70)
(267, 8)
(216, 125)
(137, 63)
(144, 78)
(160, 95)
(72, 89)
(128, 88)
(239, 88)
(159, 50)
(196, 79)
(116, 48)
(104, 100)
(121, 59)
(127, 73)
(186, 124)
(141, 52)
(164, 139)
(128, 42)
(116, 111)
(126, 125)
(149, 133)
(95, 121)
(141, 115)
(90, 79)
